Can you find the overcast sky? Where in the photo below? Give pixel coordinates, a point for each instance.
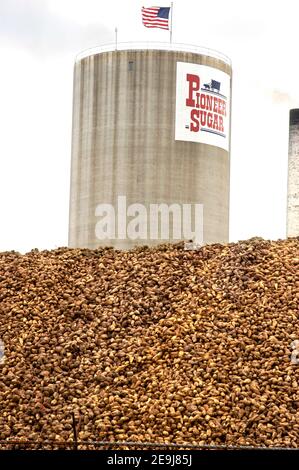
(39, 40)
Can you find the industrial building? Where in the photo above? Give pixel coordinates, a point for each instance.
(293, 176)
(151, 126)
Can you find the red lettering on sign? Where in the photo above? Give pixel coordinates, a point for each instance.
(194, 85)
(215, 105)
(215, 123)
(209, 102)
(202, 101)
(194, 126)
(221, 127)
(203, 118)
(210, 119)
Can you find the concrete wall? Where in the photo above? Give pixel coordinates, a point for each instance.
(293, 176)
(123, 144)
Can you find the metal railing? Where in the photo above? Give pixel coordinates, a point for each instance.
(159, 46)
(74, 444)
(15, 444)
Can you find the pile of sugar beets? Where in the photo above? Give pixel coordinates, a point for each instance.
(160, 345)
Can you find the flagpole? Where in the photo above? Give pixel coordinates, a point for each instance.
(116, 39)
(171, 8)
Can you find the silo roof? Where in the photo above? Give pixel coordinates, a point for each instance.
(165, 46)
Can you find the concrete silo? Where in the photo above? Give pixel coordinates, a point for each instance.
(293, 176)
(151, 126)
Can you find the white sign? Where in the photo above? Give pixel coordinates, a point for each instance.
(202, 105)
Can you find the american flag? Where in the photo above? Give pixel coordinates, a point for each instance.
(156, 17)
